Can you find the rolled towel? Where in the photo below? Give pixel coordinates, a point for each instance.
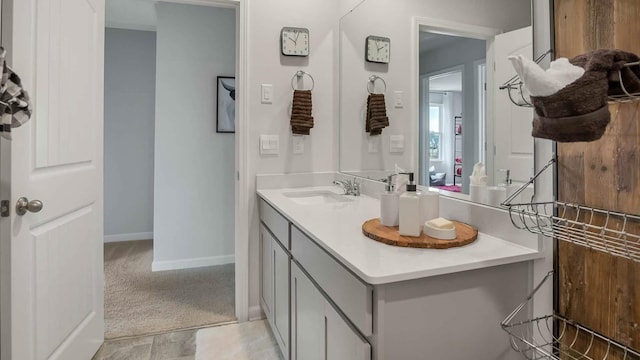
(579, 111)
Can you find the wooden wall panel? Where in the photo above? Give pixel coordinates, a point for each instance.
(595, 289)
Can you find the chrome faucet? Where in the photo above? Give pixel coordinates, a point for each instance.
(350, 187)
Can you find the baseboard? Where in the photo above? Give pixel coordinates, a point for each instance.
(128, 237)
(192, 263)
(255, 313)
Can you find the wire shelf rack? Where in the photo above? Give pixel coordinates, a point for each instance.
(611, 232)
(556, 337)
(520, 96)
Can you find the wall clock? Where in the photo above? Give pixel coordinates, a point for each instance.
(294, 41)
(378, 49)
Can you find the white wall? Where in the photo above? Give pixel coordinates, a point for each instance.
(129, 96)
(394, 20)
(267, 66)
(193, 164)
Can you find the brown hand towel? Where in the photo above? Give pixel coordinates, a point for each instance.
(579, 111)
(301, 118)
(376, 119)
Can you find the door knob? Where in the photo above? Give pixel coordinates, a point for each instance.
(23, 205)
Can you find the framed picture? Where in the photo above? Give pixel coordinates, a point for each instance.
(226, 110)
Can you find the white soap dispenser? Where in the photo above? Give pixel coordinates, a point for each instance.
(410, 217)
(389, 204)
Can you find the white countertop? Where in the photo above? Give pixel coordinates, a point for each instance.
(337, 228)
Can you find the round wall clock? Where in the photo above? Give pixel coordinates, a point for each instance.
(378, 49)
(294, 41)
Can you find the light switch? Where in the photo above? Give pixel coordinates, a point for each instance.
(269, 144)
(267, 93)
(396, 143)
(298, 144)
(373, 144)
(398, 100)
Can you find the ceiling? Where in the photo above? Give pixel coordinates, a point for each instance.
(446, 82)
(131, 14)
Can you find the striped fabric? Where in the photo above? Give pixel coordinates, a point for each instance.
(15, 105)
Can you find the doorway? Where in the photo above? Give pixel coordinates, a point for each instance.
(452, 106)
(169, 168)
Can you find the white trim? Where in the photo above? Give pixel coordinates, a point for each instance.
(255, 313)
(231, 4)
(128, 237)
(446, 27)
(192, 263)
(128, 26)
(242, 210)
(443, 27)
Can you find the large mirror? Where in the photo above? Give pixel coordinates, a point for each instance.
(444, 107)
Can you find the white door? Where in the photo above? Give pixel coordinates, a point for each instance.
(57, 279)
(513, 141)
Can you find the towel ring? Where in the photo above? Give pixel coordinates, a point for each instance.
(372, 83)
(298, 75)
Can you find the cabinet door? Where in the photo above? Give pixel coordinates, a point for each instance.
(342, 342)
(307, 318)
(266, 271)
(281, 295)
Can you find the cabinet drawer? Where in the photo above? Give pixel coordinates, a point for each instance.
(276, 223)
(348, 292)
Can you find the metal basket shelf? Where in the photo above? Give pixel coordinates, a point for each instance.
(536, 339)
(601, 230)
(518, 95)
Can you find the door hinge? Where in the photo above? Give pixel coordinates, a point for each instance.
(4, 208)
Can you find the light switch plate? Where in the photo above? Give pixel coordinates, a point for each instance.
(269, 144)
(298, 144)
(373, 144)
(396, 143)
(398, 99)
(266, 93)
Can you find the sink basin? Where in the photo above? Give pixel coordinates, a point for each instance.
(317, 197)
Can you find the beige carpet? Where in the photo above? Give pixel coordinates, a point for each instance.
(247, 341)
(138, 301)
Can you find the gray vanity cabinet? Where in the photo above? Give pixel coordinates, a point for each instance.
(319, 331)
(306, 325)
(307, 318)
(274, 274)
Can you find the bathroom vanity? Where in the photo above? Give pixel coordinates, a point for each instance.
(329, 292)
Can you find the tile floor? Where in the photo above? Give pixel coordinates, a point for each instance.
(179, 345)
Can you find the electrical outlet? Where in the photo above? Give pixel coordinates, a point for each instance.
(298, 144)
(373, 145)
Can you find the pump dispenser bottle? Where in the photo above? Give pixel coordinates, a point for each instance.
(410, 217)
(389, 204)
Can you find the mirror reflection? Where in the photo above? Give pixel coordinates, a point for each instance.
(444, 107)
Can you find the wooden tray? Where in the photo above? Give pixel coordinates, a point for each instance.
(389, 235)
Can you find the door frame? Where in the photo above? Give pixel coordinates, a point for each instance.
(241, 188)
(445, 27)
